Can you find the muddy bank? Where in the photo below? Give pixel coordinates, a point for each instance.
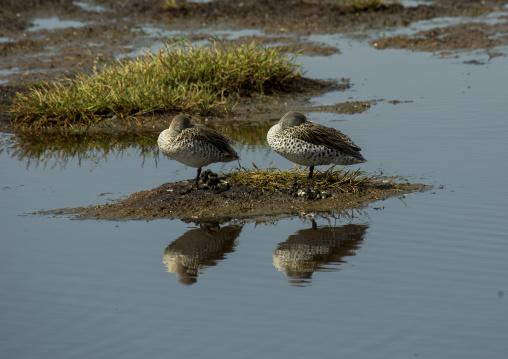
(184, 201)
(102, 30)
(470, 36)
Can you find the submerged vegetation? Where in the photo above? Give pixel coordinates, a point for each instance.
(179, 77)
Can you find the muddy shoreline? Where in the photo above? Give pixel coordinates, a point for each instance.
(180, 200)
(101, 30)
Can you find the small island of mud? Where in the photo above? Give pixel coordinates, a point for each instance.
(222, 198)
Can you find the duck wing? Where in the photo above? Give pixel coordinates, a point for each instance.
(215, 138)
(327, 136)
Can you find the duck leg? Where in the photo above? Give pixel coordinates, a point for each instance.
(199, 174)
(311, 170)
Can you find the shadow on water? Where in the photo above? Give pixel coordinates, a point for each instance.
(317, 249)
(55, 149)
(199, 248)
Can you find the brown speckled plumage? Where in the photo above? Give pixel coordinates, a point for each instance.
(195, 145)
(311, 144)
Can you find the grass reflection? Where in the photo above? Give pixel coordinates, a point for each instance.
(251, 135)
(55, 149)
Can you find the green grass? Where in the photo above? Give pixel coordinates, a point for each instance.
(363, 5)
(275, 179)
(179, 77)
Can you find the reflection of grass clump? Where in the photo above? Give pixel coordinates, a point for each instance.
(275, 179)
(179, 77)
(247, 133)
(56, 149)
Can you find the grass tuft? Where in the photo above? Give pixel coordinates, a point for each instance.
(364, 5)
(277, 180)
(179, 77)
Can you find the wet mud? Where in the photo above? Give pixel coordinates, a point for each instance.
(471, 36)
(104, 29)
(185, 201)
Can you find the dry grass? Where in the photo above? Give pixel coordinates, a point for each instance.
(275, 179)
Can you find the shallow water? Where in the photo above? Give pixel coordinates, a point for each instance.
(54, 23)
(421, 276)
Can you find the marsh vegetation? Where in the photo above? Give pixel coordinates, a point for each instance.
(179, 77)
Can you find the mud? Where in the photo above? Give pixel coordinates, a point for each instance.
(104, 30)
(468, 37)
(181, 200)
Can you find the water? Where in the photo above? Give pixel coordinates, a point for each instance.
(424, 275)
(54, 23)
(90, 7)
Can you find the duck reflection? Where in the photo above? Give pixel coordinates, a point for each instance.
(311, 250)
(198, 249)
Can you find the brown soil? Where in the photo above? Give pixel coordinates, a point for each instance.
(468, 36)
(116, 27)
(176, 200)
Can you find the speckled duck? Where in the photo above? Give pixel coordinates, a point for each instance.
(195, 145)
(310, 144)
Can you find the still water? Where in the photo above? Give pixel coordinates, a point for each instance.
(422, 276)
